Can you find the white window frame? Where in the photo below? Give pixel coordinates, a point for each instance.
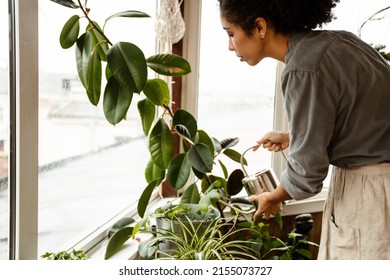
(23, 239)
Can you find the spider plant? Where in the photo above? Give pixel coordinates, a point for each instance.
(215, 240)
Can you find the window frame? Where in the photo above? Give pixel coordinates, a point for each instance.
(23, 183)
(23, 243)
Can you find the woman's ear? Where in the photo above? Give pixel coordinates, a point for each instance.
(261, 26)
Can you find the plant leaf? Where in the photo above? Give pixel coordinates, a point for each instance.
(179, 170)
(147, 112)
(234, 155)
(83, 53)
(217, 145)
(117, 240)
(204, 138)
(153, 172)
(143, 201)
(99, 42)
(130, 13)
(279, 219)
(70, 32)
(67, 3)
(161, 144)
(116, 102)
(190, 195)
(157, 91)
(182, 117)
(120, 224)
(208, 199)
(304, 252)
(128, 65)
(224, 169)
(229, 142)
(183, 131)
(201, 158)
(169, 64)
(94, 78)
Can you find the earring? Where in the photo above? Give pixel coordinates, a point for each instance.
(262, 35)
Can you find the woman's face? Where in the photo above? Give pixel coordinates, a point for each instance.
(248, 49)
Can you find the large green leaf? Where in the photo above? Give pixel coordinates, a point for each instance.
(120, 224)
(130, 13)
(210, 182)
(169, 64)
(94, 78)
(67, 3)
(128, 65)
(179, 170)
(117, 240)
(182, 117)
(143, 201)
(190, 195)
(161, 144)
(234, 155)
(83, 53)
(157, 91)
(204, 138)
(147, 111)
(201, 158)
(153, 172)
(70, 32)
(229, 142)
(208, 199)
(116, 102)
(99, 42)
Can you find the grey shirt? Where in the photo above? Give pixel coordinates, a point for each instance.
(336, 90)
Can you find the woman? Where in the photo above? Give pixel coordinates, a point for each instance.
(336, 90)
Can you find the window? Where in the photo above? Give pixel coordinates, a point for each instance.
(237, 100)
(85, 177)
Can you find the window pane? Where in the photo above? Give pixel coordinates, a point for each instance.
(235, 99)
(89, 169)
(4, 131)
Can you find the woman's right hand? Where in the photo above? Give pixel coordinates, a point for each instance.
(274, 141)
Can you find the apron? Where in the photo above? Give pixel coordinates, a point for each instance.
(356, 217)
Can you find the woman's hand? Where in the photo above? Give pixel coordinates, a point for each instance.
(269, 203)
(265, 205)
(274, 141)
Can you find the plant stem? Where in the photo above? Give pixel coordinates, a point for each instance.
(92, 23)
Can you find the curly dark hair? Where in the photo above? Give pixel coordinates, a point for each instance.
(285, 16)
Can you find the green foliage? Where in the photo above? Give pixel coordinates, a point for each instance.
(127, 73)
(65, 255)
(207, 240)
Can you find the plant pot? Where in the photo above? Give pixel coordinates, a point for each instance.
(192, 223)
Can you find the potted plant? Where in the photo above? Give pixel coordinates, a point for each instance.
(126, 72)
(214, 239)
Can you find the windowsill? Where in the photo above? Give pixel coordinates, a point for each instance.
(129, 249)
(309, 205)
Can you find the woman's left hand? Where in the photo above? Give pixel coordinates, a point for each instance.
(265, 205)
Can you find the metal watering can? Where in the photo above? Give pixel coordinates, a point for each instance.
(262, 181)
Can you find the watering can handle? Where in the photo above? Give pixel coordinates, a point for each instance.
(250, 148)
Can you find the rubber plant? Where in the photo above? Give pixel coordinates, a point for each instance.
(125, 68)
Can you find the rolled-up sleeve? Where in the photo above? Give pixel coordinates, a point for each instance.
(311, 110)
